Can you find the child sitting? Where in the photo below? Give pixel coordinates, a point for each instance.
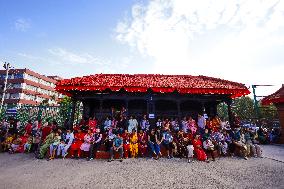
(15, 145)
(28, 145)
(54, 145)
(7, 143)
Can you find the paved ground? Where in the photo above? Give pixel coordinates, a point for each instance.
(22, 171)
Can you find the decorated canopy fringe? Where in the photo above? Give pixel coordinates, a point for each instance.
(277, 97)
(183, 84)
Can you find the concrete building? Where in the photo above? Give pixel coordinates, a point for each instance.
(26, 87)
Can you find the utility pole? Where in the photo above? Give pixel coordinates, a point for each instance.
(7, 67)
(256, 110)
(256, 107)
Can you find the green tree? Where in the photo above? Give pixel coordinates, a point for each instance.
(65, 108)
(242, 106)
(268, 112)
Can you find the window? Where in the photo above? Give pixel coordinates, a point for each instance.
(18, 76)
(15, 96)
(17, 86)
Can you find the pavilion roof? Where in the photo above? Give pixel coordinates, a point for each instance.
(277, 97)
(184, 84)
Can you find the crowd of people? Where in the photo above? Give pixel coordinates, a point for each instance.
(201, 138)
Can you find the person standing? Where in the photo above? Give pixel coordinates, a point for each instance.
(201, 123)
(132, 124)
(134, 144)
(168, 143)
(152, 143)
(159, 136)
(95, 144)
(107, 124)
(142, 143)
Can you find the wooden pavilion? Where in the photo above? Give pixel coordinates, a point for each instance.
(277, 99)
(152, 94)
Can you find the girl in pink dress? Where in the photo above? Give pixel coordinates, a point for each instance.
(192, 125)
(85, 147)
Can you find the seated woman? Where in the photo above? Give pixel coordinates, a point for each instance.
(252, 146)
(46, 144)
(181, 143)
(239, 142)
(78, 141)
(209, 147)
(197, 145)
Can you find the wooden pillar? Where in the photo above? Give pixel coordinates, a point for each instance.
(229, 103)
(178, 108)
(72, 115)
(280, 109)
(203, 108)
(101, 109)
(126, 107)
(86, 109)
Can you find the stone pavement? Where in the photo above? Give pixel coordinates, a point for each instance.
(275, 152)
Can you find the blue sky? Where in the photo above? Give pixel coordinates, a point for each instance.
(235, 40)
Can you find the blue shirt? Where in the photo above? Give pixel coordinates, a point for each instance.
(167, 138)
(117, 142)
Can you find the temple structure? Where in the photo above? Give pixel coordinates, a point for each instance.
(277, 99)
(151, 94)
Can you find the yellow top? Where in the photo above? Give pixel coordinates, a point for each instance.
(134, 138)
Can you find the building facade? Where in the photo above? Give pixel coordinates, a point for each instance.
(26, 87)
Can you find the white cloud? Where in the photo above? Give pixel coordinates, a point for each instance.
(237, 40)
(22, 24)
(29, 56)
(68, 57)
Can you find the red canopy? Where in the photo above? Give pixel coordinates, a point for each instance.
(277, 97)
(184, 84)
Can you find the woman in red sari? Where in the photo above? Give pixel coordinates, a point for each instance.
(142, 143)
(78, 141)
(197, 144)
